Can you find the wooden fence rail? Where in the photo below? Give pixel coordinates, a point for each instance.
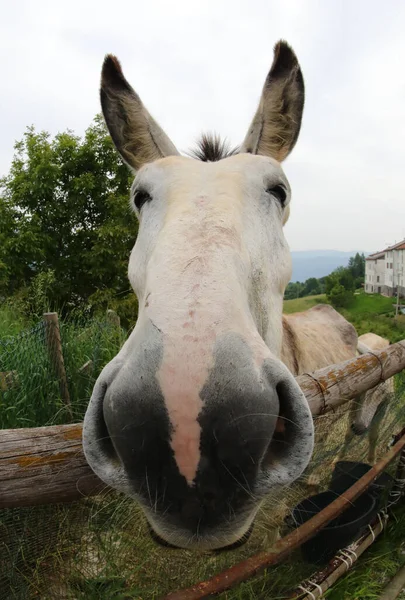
(46, 464)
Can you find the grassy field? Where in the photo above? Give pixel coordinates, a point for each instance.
(300, 304)
(377, 314)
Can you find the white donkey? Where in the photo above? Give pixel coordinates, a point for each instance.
(199, 416)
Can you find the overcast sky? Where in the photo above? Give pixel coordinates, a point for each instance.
(200, 66)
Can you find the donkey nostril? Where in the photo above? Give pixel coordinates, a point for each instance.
(280, 425)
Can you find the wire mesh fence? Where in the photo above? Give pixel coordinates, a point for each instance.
(100, 547)
(31, 390)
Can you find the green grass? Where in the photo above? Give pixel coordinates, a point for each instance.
(106, 553)
(11, 321)
(376, 314)
(365, 305)
(300, 304)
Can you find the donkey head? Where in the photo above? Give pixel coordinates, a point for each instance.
(197, 417)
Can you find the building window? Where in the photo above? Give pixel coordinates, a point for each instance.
(391, 266)
(378, 279)
(388, 265)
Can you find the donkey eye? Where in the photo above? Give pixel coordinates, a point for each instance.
(279, 192)
(140, 197)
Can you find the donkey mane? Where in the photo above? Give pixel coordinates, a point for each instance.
(210, 148)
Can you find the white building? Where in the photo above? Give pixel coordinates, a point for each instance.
(385, 271)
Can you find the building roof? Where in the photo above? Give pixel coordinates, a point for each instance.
(376, 255)
(381, 254)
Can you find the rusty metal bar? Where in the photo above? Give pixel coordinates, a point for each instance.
(253, 565)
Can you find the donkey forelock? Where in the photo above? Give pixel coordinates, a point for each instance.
(210, 148)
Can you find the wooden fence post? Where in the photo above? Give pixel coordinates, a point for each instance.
(54, 345)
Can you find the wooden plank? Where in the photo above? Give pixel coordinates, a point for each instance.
(332, 386)
(46, 464)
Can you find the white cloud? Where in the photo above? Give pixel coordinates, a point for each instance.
(201, 65)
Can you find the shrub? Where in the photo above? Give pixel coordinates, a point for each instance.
(340, 297)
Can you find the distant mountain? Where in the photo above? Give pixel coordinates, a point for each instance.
(318, 263)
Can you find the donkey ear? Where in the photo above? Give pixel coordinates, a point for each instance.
(137, 136)
(277, 122)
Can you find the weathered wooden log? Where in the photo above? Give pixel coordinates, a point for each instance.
(332, 386)
(46, 464)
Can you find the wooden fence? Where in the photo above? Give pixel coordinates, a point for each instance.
(46, 464)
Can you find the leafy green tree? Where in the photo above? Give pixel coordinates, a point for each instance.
(311, 287)
(357, 267)
(340, 276)
(64, 210)
(339, 287)
(340, 297)
(293, 290)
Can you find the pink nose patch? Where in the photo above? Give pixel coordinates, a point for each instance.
(185, 445)
(187, 359)
(181, 380)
